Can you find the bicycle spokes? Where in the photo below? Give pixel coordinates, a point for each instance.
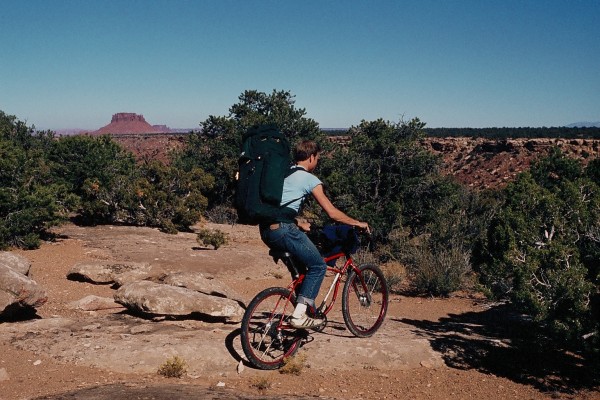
(266, 337)
(364, 301)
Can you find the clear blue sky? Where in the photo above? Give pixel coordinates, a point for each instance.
(454, 63)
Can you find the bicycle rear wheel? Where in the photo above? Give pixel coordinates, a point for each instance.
(266, 337)
(365, 300)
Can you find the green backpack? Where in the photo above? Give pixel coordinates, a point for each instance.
(263, 165)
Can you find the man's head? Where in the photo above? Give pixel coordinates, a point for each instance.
(305, 149)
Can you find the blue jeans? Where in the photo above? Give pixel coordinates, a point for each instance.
(288, 237)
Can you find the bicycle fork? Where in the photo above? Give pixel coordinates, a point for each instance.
(364, 296)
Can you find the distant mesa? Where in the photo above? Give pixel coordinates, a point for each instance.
(127, 123)
(585, 124)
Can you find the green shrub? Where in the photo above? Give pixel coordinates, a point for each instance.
(75, 160)
(174, 367)
(541, 252)
(212, 237)
(31, 201)
(375, 175)
(261, 384)
(216, 149)
(152, 195)
(293, 365)
(434, 269)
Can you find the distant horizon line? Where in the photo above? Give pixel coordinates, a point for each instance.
(582, 124)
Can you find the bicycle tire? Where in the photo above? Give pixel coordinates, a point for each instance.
(266, 339)
(364, 311)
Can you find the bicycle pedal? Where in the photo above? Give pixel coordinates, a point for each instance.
(316, 314)
(321, 327)
(307, 339)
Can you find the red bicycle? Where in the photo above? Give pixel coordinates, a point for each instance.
(267, 337)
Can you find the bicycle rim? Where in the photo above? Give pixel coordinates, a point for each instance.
(266, 338)
(364, 306)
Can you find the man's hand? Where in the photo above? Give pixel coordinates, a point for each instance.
(365, 226)
(303, 225)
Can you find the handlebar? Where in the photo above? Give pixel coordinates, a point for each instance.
(338, 238)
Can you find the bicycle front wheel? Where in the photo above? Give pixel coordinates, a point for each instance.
(365, 300)
(267, 339)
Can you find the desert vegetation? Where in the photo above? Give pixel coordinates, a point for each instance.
(534, 243)
(505, 133)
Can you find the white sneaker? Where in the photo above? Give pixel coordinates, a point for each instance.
(306, 322)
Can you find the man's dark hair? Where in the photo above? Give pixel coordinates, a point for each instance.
(304, 149)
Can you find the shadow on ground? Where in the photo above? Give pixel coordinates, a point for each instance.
(160, 392)
(500, 342)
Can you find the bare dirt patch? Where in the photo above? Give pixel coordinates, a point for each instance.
(460, 347)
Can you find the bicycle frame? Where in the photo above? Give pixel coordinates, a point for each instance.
(335, 285)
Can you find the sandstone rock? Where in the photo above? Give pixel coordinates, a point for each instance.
(4, 375)
(471, 159)
(15, 262)
(201, 283)
(123, 123)
(94, 303)
(18, 291)
(155, 298)
(108, 271)
(140, 272)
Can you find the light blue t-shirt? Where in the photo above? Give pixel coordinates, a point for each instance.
(297, 186)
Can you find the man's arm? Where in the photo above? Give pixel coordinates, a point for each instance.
(333, 213)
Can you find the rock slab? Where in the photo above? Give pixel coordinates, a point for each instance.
(154, 298)
(108, 272)
(15, 262)
(18, 292)
(201, 283)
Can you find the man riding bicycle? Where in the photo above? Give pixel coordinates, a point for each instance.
(290, 237)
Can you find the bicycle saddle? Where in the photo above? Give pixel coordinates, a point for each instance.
(288, 261)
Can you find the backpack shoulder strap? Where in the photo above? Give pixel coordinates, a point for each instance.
(290, 172)
(294, 169)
